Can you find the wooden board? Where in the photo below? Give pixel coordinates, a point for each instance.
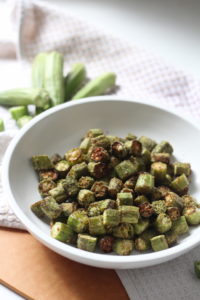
(36, 272)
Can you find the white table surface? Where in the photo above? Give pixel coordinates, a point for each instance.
(168, 28)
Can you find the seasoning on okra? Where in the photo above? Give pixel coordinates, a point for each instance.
(113, 193)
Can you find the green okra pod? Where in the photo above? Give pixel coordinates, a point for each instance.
(163, 147)
(58, 193)
(85, 197)
(85, 182)
(114, 187)
(163, 223)
(74, 80)
(38, 70)
(68, 208)
(22, 121)
(180, 184)
(45, 186)
(41, 162)
(78, 221)
(18, 112)
(129, 214)
(96, 226)
(124, 199)
(141, 226)
(36, 209)
(123, 247)
(145, 183)
(141, 244)
(180, 226)
(62, 232)
(159, 206)
(86, 242)
(192, 215)
(124, 231)
(126, 169)
(147, 143)
(97, 86)
(70, 185)
(111, 217)
(159, 243)
(159, 171)
(50, 208)
(182, 168)
(2, 127)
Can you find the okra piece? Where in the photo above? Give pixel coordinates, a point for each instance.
(94, 132)
(123, 247)
(99, 154)
(68, 208)
(54, 80)
(111, 217)
(161, 157)
(180, 184)
(156, 194)
(180, 226)
(129, 214)
(171, 238)
(78, 221)
(146, 210)
(101, 141)
(119, 150)
(114, 187)
(159, 243)
(62, 232)
(50, 208)
(147, 143)
(182, 168)
(2, 127)
(62, 167)
(159, 206)
(140, 200)
(36, 209)
(18, 112)
(173, 213)
(139, 163)
(197, 268)
(58, 193)
(189, 201)
(131, 137)
(114, 161)
(71, 186)
(146, 156)
(141, 244)
(147, 235)
(74, 79)
(124, 199)
(173, 200)
(125, 169)
(85, 182)
(85, 144)
(124, 231)
(135, 148)
(96, 226)
(159, 171)
(45, 186)
(97, 208)
(106, 243)
(99, 189)
(86, 242)
(38, 70)
(74, 156)
(41, 162)
(55, 158)
(192, 215)
(21, 122)
(85, 197)
(130, 183)
(163, 223)
(97, 170)
(141, 226)
(163, 147)
(48, 174)
(144, 184)
(24, 97)
(78, 170)
(97, 86)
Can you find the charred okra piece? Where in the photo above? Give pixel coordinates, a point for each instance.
(163, 147)
(144, 184)
(161, 157)
(146, 210)
(129, 214)
(141, 244)
(159, 206)
(78, 221)
(171, 238)
(78, 170)
(140, 200)
(36, 209)
(62, 232)
(111, 217)
(197, 268)
(173, 213)
(130, 183)
(147, 143)
(119, 150)
(62, 167)
(99, 154)
(74, 156)
(180, 184)
(114, 187)
(45, 186)
(124, 199)
(189, 201)
(50, 208)
(86, 242)
(71, 186)
(125, 169)
(85, 197)
(159, 243)
(106, 243)
(85, 182)
(55, 158)
(85, 144)
(182, 168)
(58, 193)
(156, 194)
(48, 174)
(141, 226)
(159, 171)
(98, 170)
(100, 189)
(68, 208)
(101, 141)
(41, 162)
(192, 215)
(163, 223)
(180, 226)
(96, 226)
(124, 231)
(173, 200)
(97, 208)
(164, 190)
(123, 247)
(146, 156)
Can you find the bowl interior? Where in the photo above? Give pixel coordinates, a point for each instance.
(62, 128)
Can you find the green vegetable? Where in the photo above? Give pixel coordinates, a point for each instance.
(21, 122)
(74, 80)
(2, 128)
(38, 70)
(86, 242)
(41, 162)
(159, 243)
(62, 232)
(18, 111)
(123, 247)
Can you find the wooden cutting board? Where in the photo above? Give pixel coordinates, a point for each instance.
(35, 272)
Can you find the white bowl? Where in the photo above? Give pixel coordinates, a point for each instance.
(61, 128)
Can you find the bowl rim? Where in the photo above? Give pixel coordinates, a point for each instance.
(75, 253)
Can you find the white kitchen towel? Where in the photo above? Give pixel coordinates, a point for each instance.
(35, 27)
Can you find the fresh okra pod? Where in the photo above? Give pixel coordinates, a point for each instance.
(74, 79)
(18, 111)
(2, 127)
